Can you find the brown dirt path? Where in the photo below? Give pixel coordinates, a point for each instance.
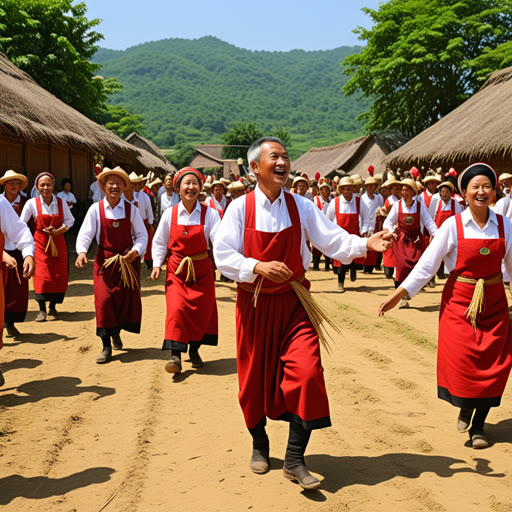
(74, 435)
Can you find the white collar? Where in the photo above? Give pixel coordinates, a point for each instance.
(106, 204)
(467, 217)
(262, 199)
(181, 208)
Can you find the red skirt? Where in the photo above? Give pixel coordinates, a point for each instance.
(279, 365)
(388, 258)
(473, 368)
(407, 251)
(148, 256)
(16, 291)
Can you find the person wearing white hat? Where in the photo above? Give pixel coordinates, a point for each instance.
(395, 193)
(119, 231)
(168, 197)
(322, 201)
(405, 220)
(430, 182)
(300, 186)
(261, 244)
(372, 202)
(347, 212)
(95, 192)
(218, 201)
(14, 257)
(503, 205)
(237, 189)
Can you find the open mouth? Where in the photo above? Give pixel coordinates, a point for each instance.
(280, 172)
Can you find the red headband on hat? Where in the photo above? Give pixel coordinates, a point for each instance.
(187, 170)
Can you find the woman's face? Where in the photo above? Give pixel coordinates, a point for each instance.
(45, 186)
(12, 187)
(445, 193)
(479, 193)
(218, 192)
(407, 193)
(189, 188)
(302, 188)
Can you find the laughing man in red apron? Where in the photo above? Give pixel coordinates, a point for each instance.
(53, 218)
(262, 244)
(405, 220)
(475, 344)
(185, 231)
(119, 231)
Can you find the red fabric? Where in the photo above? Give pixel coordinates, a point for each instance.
(148, 255)
(427, 198)
(318, 203)
(388, 257)
(350, 223)
(116, 306)
(221, 211)
(441, 216)
(51, 274)
(191, 307)
(469, 364)
(2, 303)
(409, 246)
(278, 352)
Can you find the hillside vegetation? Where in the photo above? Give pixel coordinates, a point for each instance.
(193, 91)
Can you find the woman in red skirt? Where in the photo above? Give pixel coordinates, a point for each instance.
(52, 218)
(405, 219)
(185, 231)
(475, 344)
(119, 231)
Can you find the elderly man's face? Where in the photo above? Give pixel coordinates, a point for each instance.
(274, 165)
(347, 192)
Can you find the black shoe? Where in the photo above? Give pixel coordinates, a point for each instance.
(117, 342)
(260, 461)
(353, 274)
(315, 267)
(195, 359)
(302, 476)
(2, 380)
(11, 331)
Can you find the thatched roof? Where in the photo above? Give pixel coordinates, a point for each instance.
(353, 156)
(210, 156)
(29, 112)
(141, 142)
(479, 129)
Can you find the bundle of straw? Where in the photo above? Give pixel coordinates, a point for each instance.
(129, 276)
(51, 245)
(315, 314)
(191, 271)
(477, 303)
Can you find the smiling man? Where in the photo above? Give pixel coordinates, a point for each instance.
(261, 244)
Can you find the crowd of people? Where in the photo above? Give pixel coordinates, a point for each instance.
(262, 230)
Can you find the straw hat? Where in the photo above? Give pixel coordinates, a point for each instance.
(411, 184)
(371, 181)
(118, 171)
(346, 181)
(219, 182)
(390, 183)
(379, 177)
(357, 179)
(236, 185)
(300, 178)
(324, 184)
(157, 181)
(502, 177)
(432, 177)
(449, 185)
(13, 175)
(225, 181)
(135, 178)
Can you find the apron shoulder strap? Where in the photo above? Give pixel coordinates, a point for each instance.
(250, 211)
(460, 229)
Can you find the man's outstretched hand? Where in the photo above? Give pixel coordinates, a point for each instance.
(380, 242)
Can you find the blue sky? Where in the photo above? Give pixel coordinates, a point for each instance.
(263, 25)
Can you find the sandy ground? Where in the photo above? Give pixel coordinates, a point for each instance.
(77, 436)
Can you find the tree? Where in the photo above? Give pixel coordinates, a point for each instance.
(284, 136)
(118, 120)
(418, 63)
(54, 42)
(491, 60)
(183, 156)
(241, 134)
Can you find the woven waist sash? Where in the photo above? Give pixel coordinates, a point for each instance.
(189, 261)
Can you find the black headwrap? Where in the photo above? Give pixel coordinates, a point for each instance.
(479, 169)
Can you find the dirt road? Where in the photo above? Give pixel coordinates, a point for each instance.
(77, 436)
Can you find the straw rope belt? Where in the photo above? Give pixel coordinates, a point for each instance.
(478, 300)
(51, 245)
(189, 261)
(315, 313)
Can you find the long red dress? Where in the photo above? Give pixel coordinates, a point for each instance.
(16, 286)
(409, 246)
(350, 223)
(117, 306)
(191, 306)
(388, 257)
(51, 276)
(473, 366)
(442, 215)
(280, 371)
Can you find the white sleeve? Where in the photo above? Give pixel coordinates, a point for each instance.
(365, 217)
(213, 223)
(432, 209)
(139, 232)
(29, 211)
(331, 211)
(161, 238)
(427, 220)
(14, 229)
(88, 229)
(149, 209)
(507, 260)
(392, 218)
(68, 220)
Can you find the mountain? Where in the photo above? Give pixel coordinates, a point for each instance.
(195, 90)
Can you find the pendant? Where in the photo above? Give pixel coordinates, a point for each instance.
(484, 251)
(185, 232)
(115, 224)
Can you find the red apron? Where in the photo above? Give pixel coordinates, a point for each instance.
(214, 206)
(117, 307)
(388, 257)
(51, 277)
(16, 286)
(409, 246)
(280, 371)
(148, 255)
(191, 306)
(473, 368)
(2, 242)
(426, 235)
(350, 223)
(317, 201)
(442, 215)
(371, 256)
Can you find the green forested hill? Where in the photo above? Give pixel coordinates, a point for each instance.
(195, 90)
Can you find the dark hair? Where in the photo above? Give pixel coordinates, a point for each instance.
(64, 181)
(254, 152)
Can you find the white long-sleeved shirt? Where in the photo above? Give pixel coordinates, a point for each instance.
(349, 207)
(167, 201)
(163, 232)
(97, 193)
(323, 202)
(69, 197)
(434, 204)
(219, 205)
(444, 245)
(503, 207)
(91, 226)
(146, 210)
(425, 218)
(30, 211)
(136, 204)
(327, 237)
(371, 206)
(15, 231)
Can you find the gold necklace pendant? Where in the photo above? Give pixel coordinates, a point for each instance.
(185, 232)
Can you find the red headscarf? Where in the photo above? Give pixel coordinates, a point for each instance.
(187, 170)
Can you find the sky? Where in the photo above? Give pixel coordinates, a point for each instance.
(273, 25)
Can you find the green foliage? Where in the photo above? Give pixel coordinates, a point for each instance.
(181, 157)
(118, 120)
(284, 136)
(54, 42)
(241, 134)
(195, 91)
(419, 60)
(491, 60)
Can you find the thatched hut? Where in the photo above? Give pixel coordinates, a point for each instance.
(351, 157)
(38, 132)
(478, 130)
(209, 156)
(141, 142)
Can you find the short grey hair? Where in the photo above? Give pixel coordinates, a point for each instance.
(254, 152)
